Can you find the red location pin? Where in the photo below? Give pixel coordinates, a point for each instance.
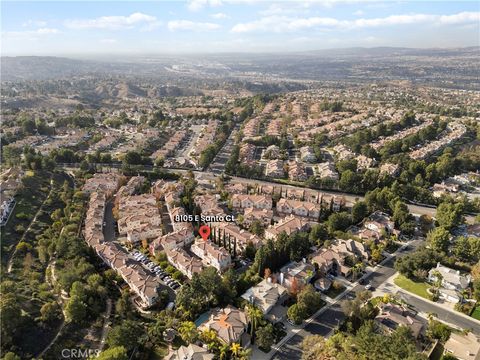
(204, 231)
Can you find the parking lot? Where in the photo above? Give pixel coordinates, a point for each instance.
(156, 270)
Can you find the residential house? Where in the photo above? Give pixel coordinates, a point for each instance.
(380, 222)
(307, 154)
(230, 324)
(364, 163)
(290, 225)
(445, 188)
(107, 183)
(390, 169)
(242, 201)
(268, 295)
(296, 275)
(190, 352)
(352, 247)
(139, 281)
(247, 153)
(173, 240)
(326, 170)
(452, 282)
(251, 215)
(234, 233)
(238, 188)
(463, 346)
(299, 208)
(144, 285)
(330, 262)
(338, 202)
(297, 171)
(392, 316)
(187, 264)
(275, 169)
(271, 152)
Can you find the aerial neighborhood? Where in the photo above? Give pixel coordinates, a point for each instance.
(233, 206)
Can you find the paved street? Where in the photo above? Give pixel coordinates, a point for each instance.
(441, 313)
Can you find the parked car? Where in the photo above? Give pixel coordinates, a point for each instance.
(291, 322)
(175, 286)
(368, 287)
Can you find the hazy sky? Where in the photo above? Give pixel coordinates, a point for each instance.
(114, 27)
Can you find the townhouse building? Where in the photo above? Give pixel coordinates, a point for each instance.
(212, 255)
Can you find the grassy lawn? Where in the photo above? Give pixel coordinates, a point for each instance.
(476, 313)
(418, 288)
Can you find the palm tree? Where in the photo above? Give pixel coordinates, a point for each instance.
(224, 349)
(210, 337)
(255, 316)
(357, 269)
(235, 349)
(244, 354)
(188, 331)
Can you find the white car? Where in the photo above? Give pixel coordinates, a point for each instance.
(368, 286)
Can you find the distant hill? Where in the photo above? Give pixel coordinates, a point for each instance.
(174, 75)
(42, 67)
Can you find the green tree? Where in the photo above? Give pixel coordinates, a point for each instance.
(318, 234)
(11, 356)
(359, 211)
(449, 215)
(297, 313)
(50, 311)
(349, 181)
(255, 316)
(438, 239)
(338, 221)
(11, 316)
(113, 353)
(265, 337)
(132, 158)
(188, 331)
(126, 334)
(76, 310)
(309, 299)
